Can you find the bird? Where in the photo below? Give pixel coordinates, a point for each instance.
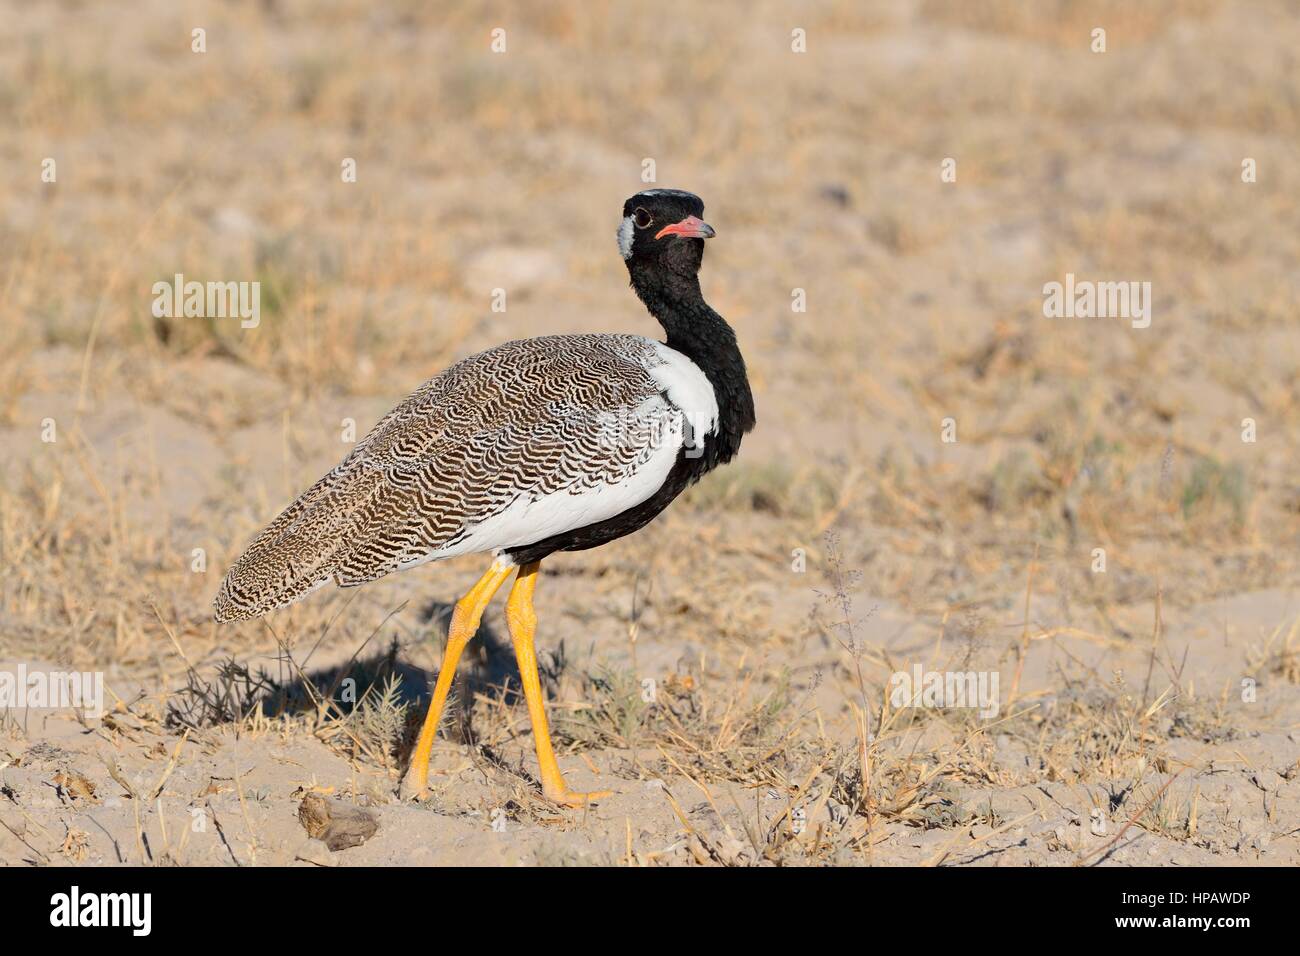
(536, 446)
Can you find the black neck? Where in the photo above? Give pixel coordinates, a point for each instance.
(704, 337)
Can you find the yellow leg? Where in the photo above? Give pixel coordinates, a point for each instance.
(522, 620)
(464, 622)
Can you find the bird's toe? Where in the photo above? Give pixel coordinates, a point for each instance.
(579, 798)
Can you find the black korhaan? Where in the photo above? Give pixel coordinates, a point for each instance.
(558, 443)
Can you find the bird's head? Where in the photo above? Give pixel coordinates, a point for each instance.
(664, 227)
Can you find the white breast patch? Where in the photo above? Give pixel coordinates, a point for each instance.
(689, 389)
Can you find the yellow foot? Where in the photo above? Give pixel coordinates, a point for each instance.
(413, 788)
(576, 798)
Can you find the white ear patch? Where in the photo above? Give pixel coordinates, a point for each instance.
(625, 237)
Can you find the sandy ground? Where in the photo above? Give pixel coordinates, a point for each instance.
(222, 797)
(1147, 713)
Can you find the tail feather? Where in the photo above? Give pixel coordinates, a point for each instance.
(299, 551)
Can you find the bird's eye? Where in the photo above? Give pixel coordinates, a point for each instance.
(641, 218)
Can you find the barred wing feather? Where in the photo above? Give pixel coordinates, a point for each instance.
(504, 448)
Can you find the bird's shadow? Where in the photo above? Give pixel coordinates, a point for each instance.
(486, 668)
(488, 664)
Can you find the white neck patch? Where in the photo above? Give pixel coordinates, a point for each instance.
(625, 237)
(688, 388)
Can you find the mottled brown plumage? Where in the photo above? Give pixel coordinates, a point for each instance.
(524, 420)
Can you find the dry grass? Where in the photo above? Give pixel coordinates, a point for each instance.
(770, 732)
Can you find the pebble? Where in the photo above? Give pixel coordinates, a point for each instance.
(314, 851)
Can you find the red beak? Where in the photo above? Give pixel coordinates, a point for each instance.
(690, 227)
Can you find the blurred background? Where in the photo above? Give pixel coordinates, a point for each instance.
(821, 171)
(178, 438)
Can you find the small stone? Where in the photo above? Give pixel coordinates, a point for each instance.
(234, 222)
(836, 193)
(335, 824)
(314, 851)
